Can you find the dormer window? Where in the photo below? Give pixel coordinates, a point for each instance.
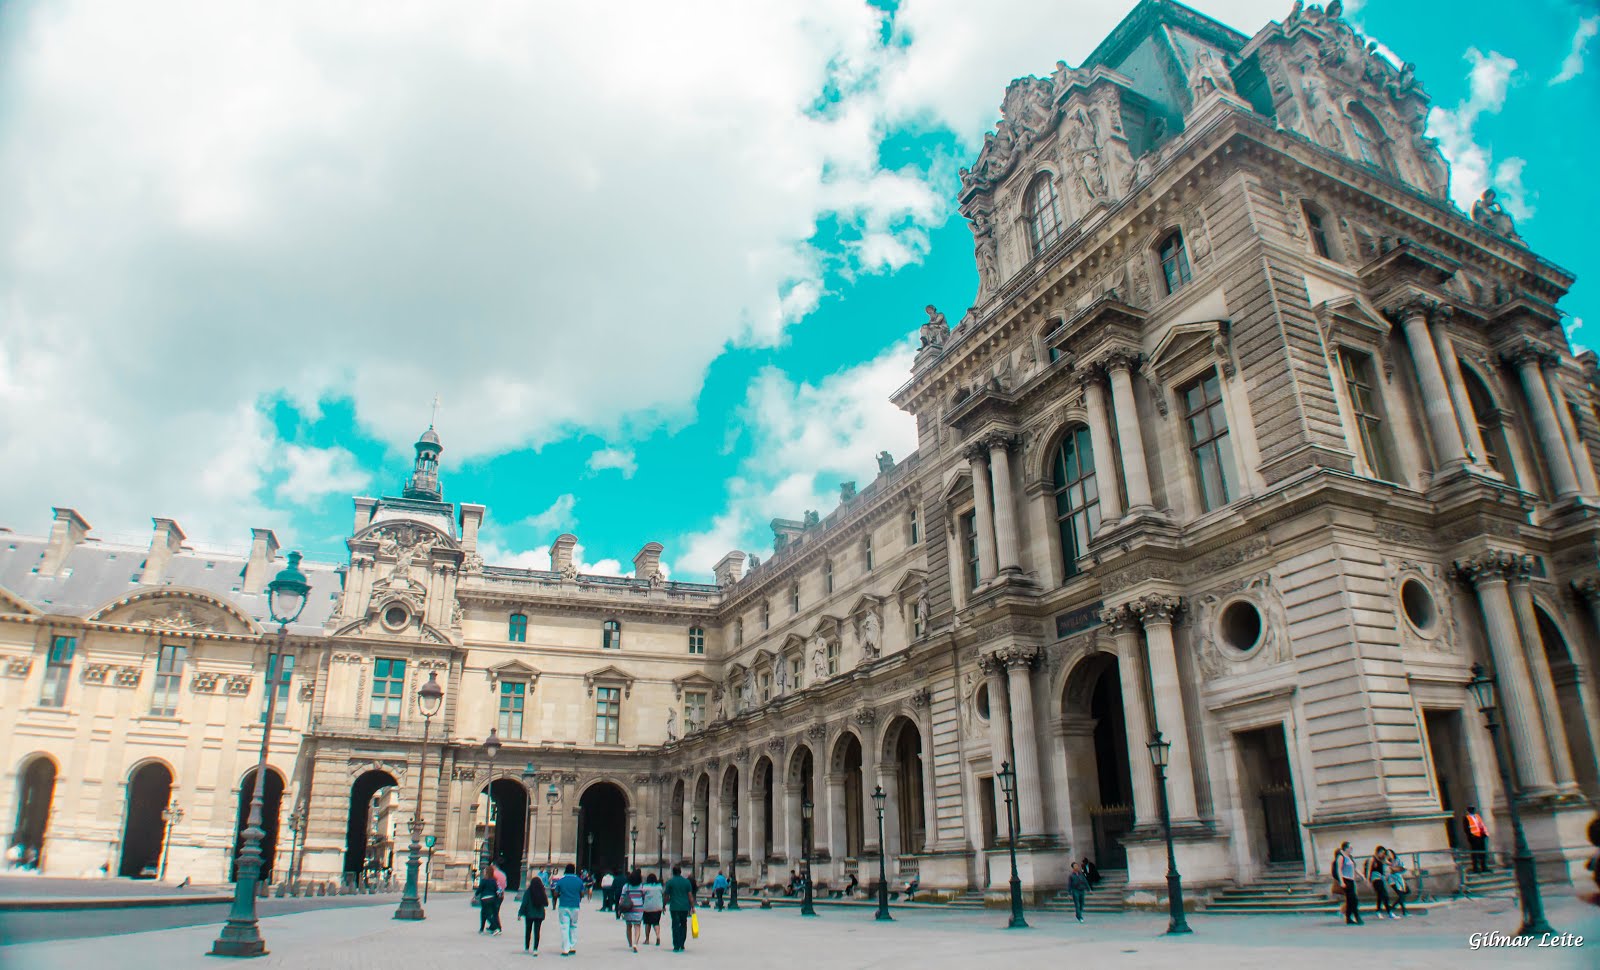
(1042, 210)
(1174, 261)
(1371, 142)
(517, 628)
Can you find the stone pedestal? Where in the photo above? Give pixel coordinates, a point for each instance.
(1204, 861)
(1042, 866)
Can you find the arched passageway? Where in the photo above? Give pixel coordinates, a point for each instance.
(905, 747)
(143, 829)
(36, 787)
(271, 803)
(677, 825)
(1575, 722)
(368, 840)
(848, 795)
(502, 825)
(761, 797)
(603, 828)
(1097, 759)
(729, 794)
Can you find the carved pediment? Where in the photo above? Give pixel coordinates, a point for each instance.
(694, 681)
(1184, 344)
(1349, 318)
(178, 609)
(609, 676)
(513, 670)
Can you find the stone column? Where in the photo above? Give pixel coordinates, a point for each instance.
(687, 840)
(983, 511)
(1105, 467)
(1539, 673)
(838, 821)
(1466, 418)
(1587, 483)
(1005, 509)
(999, 728)
(794, 840)
(712, 826)
(1527, 359)
(1488, 572)
(1166, 688)
(1124, 626)
(1120, 368)
(1442, 423)
(867, 719)
(1019, 662)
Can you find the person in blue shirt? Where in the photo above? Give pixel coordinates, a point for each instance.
(569, 896)
(719, 888)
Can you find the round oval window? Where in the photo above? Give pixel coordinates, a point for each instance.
(1418, 604)
(1240, 625)
(395, 616)
(981, 701)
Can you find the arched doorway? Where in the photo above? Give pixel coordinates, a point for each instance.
(800, 790)
(1097, 739)
(603, 814)
(143, 831)
(35, 791)
(271, 801)
(677, 831)
(846, 765)
(761, 791)
(905, 753)
(700, 824)
(369, 835)
(1564, 676)
(502, 826)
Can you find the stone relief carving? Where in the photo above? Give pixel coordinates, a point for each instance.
(238, 685)
(205, 682)
(18, 666)
(1221, 660)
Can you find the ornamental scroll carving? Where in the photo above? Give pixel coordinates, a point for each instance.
(96, 673)
(18, 666)
(205, 682)
(1494, 565)
(238, 685)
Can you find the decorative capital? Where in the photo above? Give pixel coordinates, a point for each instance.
(1528, 352)
(817, 732)
(1588, 588)
(1090, 373)
(1157, 608)
(1119, 619)
(1120, 358)
(1410, 309)
(866, 717)
(976, 453)
(1017, 657)
(1494, 565)
(921, 697)
(998, 440)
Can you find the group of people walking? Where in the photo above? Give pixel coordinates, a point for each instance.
(639, 900)
(1383, 870)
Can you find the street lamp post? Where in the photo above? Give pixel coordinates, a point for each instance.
(1483, 691)
(430, 697)
(297, 829)
(590, 855)
(878, 798)
(241, 934)
(530, 783)
(1008, 784)
(806, 810)
(633, 848)
(491, 832)
(661, 851)
(733, 864)
(551, 796)
(1177, 923)
(171, 815)
(694, 848)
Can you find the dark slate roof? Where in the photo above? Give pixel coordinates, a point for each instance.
(98, 573)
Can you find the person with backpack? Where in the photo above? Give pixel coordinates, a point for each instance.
(630, 903)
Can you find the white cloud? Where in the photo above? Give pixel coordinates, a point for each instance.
(557, 518)
(496, 554)
(804, 440)
(1572, 64)
(622, 459)
(1470, 161)
(315, 472)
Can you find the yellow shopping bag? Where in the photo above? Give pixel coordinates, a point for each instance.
(694, 925)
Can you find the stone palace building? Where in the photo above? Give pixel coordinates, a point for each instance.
(1252, 438)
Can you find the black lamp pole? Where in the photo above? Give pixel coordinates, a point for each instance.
(429, 698)
(733, 864)
(694, 849)
(661, 851)
(530, 782)
(491, 747)
(633, 849)
(878, 798)
(806, 809)
(551, 796)
(241, 934)
(172, 815)
(1482, 687)
(1008, 784)
(1177, 923)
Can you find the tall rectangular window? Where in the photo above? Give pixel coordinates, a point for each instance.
(794, 597)
(765, 684)
(607, 714)
(1174, 262)
(169, 678)
(827, 576)
(611, 635)
(280, 670)
(916, 528)
(866, 551)
(694, 710)
(969, 543)
(512, 695)
(517, 628)
(766, 615)
(833, 657)
(697, 640)
(1359, 382)
(58, 671)
(738, 632)
(1208, 440)
(797, 673)
(388, 693)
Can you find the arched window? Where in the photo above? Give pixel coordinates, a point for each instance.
(517, 628)
(1077, 497)
(1317, 227)
(1174, 261)
(611, 638)
(1042, 211)
(697, 640)
(1496, 450)
(1371, 142)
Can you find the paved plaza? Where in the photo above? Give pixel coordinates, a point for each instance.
(366, 936)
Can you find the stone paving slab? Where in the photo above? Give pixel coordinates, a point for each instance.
(359, 938)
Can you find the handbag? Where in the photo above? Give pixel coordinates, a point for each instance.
(694, 925)
(624, 903)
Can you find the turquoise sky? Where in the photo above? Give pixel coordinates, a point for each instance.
(706, 467)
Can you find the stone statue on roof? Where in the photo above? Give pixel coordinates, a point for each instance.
(1490, 214)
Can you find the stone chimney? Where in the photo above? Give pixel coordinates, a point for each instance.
(365, 507)
(69, 530)
(263, 546)
(561, 552)
(648, 562)
(730, 568)
(785, 532)
(164, 544)
(471, 517)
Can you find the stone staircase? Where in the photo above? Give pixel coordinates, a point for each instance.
(1106, 898)
(1282, 889)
